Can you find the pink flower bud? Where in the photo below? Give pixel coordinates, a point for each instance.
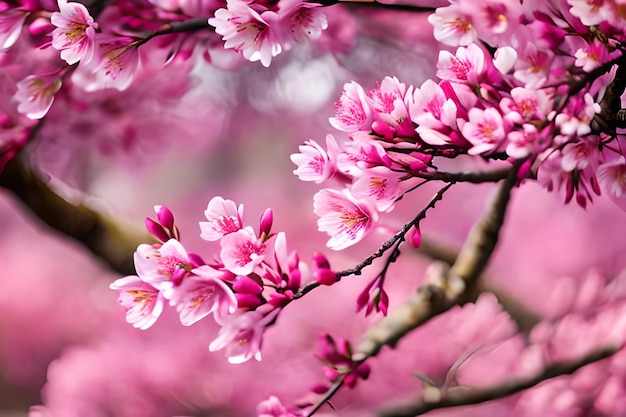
(416, 238)
(320, 388)
(165, 217)
(246, 285)
(321, 261)
(325, 276)
(156, 230)
(247, 301)
(195, 260)
(279, 300)
(267, 218)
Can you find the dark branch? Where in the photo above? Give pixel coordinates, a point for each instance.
(98, 234)
(458, 396)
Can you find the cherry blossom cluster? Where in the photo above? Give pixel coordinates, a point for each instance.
(519, 87)
(244, 288)
(101, 47)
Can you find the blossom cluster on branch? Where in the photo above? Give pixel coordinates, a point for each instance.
(532, 90)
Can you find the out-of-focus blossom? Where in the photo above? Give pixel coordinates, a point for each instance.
(11, 22)
(35, 94)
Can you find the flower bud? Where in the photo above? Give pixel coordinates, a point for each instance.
(165, 217)
(156, 230)
(267, 218)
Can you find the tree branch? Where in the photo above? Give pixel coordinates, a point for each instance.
(99, 234)
(458, 396)
(453, 286)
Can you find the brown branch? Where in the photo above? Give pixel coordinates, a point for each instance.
(453, 286)
(477, 177)
(99, 234)
(458, 396)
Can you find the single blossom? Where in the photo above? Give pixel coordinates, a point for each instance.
(314, 162)
(241, 251)
(453, 26)
(241, 335)
(466, 65)
(116, 64)
(352, 111)
(163, 267)
(141, 302)
(75, 34)
(484, 130)
(245, 30)
(35, 94)
(612, 177)
(272, 407)
(223, 217)
(380, 186)
(344, 218)
(201, 294)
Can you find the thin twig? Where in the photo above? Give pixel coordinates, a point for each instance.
(458, 396)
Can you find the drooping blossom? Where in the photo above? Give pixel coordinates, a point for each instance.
(223, 217)
(241, 335)
(272, 407)
(116, 64)
(302, 19)
(141, 302)
(344, 218)
(248, 31)
(75, 34)
(35, 94)
(202, 293)
(11, 22)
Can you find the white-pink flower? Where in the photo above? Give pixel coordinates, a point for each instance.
(242, 335)
(201, 294)
(75, 33)
(301, 19)
(314, 162)
(245, 30)
(242, 251)
(272, 407)
(35, 94)
(453, 26)
(223, 217)
(344, 218)
(141, 302)
(11, 22)
(612, 177)
(117, 62)
(352, 112)
(163, 267)
(484, 130)
(466, 65)
(379, 185)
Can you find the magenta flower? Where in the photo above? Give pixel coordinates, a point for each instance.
(248, 31)
(141, 302)
(344, 218)
(242, 251)
(75, 33)
(223, 217)
(35, 94)
(202, 294)
(11, 22)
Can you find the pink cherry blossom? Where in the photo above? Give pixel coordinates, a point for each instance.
(612, 177)
(453, 26)
(589, 11)
(466, 65)
(344, 218)
(352, 112)
(242, 252)
(141, 302)
(75, 33)
(201, 294)
(301, 19)
(35, 94)
(272, 407)
(245, 30)
(580, 155)
(380, 186)
(241, 335)
(11, 22)
(163, 267)
(314, 162)
(223, 217)
(116, 64)
(484, 130)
